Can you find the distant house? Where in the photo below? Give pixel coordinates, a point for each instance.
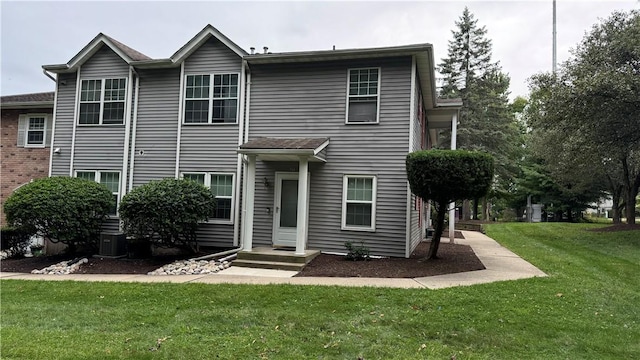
(27, 123)
(304, 150)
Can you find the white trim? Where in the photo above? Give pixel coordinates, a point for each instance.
(452, 205)
(53, 125)
(28, 118)
(302, 222)
(127, 136)
(134, 131)
(346, 121)
(211, 99)
(374, 197)
(236, 214)
(200, 39)
(102, 101)
(180, 116)
(412, 119)
(98, 177)
(207, 183)
(76, 119)
(250, 192)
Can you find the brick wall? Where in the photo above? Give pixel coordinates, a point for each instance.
(19, 165)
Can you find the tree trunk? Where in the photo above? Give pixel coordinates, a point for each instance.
(466, 210)
(441, 210)
(615, 209)
(631, 185)
(474, 214)
(570, 215)
(486, 209)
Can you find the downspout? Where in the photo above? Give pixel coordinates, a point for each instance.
(243, 230)
(412, 110)
(180, 110)
(75, 121)
(53, 126)
(135, 126)
(236, 199)
(127, 134)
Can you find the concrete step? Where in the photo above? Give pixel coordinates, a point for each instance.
(274, 255)
(277, 265)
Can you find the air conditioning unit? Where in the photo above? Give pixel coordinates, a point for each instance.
(113, 244)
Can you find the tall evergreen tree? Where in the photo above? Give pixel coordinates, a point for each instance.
(486, 121)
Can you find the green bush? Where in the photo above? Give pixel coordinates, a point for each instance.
(356, 252)
(14, 241)
(445, 176)
(63, 209)
(167, 212)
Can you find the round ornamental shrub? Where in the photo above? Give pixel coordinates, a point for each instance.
(449, 175)
(445, 176)
(167, 212)
(63, 209)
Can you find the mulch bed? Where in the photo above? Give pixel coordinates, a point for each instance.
(453, 258)
(617, 227)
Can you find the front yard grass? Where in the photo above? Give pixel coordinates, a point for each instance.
(586, 309)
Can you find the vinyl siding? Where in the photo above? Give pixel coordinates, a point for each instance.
(309, 100)
(65, 111)
(157, 128)
(211, 147)
(100, 147)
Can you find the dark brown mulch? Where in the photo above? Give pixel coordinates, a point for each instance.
(453, 258)
(100, 265)
(617, 227)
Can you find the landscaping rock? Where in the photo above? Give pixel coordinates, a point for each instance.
(62, 268)
(191, 267)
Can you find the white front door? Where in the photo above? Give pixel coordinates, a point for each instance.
(285, 209)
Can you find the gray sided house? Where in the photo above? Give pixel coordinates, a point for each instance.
(304, 150)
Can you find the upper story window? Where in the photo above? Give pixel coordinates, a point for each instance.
(221, 185)
(211, 99)
(110, 179)
(363, 102)
(102, 101)
(34, 130)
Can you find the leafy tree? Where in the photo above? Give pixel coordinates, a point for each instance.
(167, 211)
(446, 176)
(487, 122)
(63, 209)
(589, 111)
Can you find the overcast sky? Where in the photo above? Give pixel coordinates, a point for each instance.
(38, 33)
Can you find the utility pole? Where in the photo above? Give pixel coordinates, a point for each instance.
(554, 60)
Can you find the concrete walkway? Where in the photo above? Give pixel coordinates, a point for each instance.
(501, 264)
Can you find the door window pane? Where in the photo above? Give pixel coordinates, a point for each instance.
(289, 203)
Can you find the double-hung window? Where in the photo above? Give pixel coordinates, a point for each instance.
(111, 179)
(363, 101)
(359, 202)
(211, 99)
(102, 101)
(34, 130)
(221, 186)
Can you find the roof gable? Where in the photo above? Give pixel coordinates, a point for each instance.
(127, 54)
(201, 38)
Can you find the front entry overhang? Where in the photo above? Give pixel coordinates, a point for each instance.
(301, 150)
(279, 149)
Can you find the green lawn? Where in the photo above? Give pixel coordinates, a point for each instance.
(586, 309)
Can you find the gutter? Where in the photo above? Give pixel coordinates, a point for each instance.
(53, 126)
(236, 215)
(180, 112)
(75, 121)
(127, 135)
(135, 127)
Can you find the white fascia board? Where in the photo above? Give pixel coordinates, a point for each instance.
(193, 44)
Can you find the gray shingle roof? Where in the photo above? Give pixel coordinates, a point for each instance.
(135, 55)
(28, 98)
(277, 143)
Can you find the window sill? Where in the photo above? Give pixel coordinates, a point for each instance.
(362, 123)
(361, 229)
(210, 124)
(218, 222)
(100, 125)
(33, 146)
